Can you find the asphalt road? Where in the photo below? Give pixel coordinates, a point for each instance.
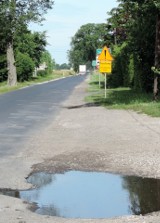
(27, 109)
(83, 138)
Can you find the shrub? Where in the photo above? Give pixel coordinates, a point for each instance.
(42, 73)
(3, 67)
(123, 71)
(25, 67)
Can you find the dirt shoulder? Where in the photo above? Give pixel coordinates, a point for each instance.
(83, 138)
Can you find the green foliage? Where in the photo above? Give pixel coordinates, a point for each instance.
(3, 58)
(133, 24)
(25, 67)
(31, 43)
(123, 67)
(15, 15)
(42, 73)
(63, 66)
(50, 63)
(3, 67)
(85, 42)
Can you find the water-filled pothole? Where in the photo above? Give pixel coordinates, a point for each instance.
(76, 194)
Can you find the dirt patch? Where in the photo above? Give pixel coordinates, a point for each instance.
(82, 160)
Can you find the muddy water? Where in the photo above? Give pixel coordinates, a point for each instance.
(76, 194)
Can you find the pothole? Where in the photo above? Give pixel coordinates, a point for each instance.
(76, 194)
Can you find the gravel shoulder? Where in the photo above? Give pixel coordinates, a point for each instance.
(83, 138)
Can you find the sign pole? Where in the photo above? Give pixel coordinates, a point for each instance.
(105, 85)
(99, 81)
(105, 59)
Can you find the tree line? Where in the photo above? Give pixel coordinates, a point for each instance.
(21, 51)
(132, 31)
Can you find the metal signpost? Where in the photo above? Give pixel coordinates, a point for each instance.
(105, 67)
(105, 85)
(98, 52)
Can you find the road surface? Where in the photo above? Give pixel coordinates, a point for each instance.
(80, 138)
(27, 109)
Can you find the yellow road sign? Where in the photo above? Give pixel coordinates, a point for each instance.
(105, 55)
(105, 67)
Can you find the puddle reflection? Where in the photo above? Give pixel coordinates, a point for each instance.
(76, 194)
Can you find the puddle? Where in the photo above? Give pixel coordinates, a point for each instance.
(76, 194)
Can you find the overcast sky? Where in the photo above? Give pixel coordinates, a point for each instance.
(66, 17)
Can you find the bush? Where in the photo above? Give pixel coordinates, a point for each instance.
(41, 73)
(3, 67)
(123, 71)
(25, 67)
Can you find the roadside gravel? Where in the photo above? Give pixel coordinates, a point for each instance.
(85, 138)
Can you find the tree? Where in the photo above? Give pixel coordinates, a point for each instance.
(157, 52)
(50, 63)
(32, 44)
(85, 42)
(149, 10)
(64, 66)
(137, 20)
(14, 15)
(25, 67)
(3, 65)
(3, 59)
(120, 21)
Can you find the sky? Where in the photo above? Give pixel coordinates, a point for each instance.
(67, 16)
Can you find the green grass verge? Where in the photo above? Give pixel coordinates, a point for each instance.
(4, 88)
(122, 98)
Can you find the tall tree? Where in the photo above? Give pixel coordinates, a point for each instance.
(3, 61)
(29, 48)
(148, 6)
(120, 21)
(137, 19)
(14, 14)
(31, 43)
(85, 42)
(157, 52)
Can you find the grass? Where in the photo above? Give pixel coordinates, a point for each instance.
(4, 88)
(122, 98)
